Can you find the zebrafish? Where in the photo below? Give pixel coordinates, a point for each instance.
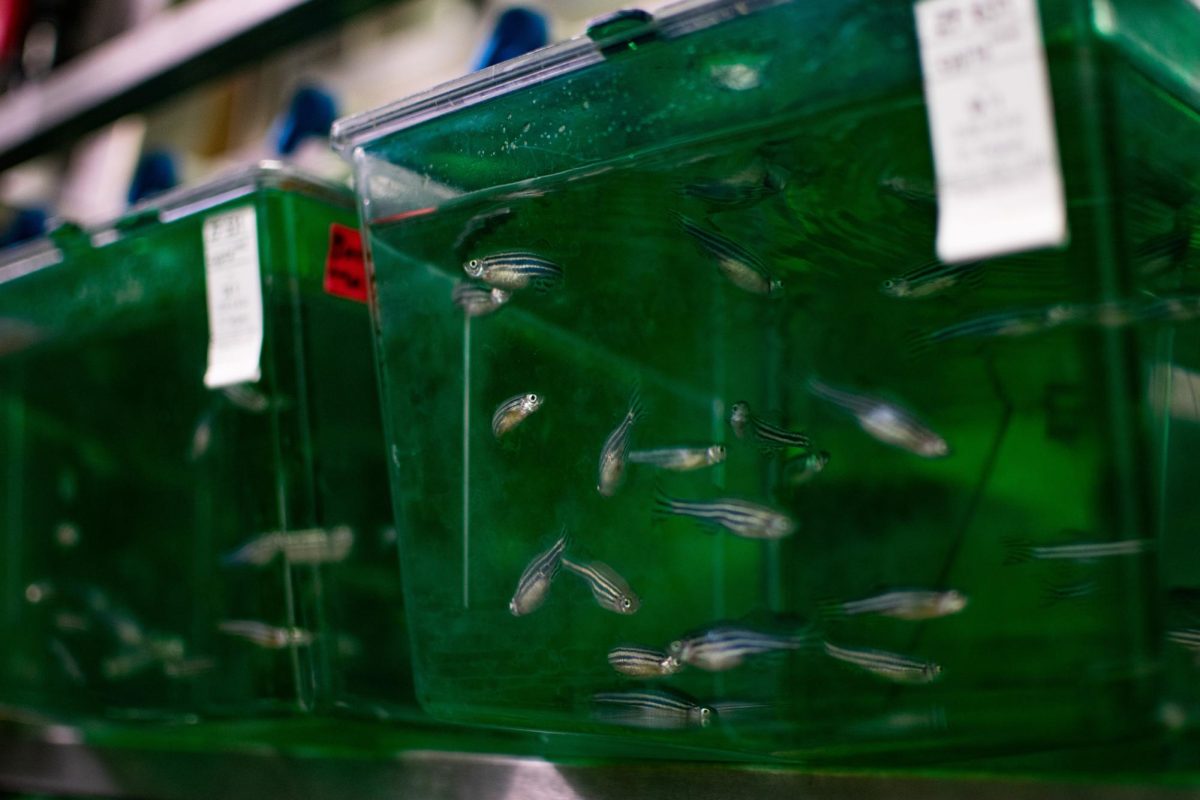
(481, 225)
(884, 421)
(893, 667)
(769, 437)
(1009, 324)
(310, 546)
(1185, 637)
(535, 581)
(739, 517)
(1055, 593)
(610, 589)
(612, 455)
(264, 635)
(679, 459)
(652, 708)
(747, 186)
(1019, 550)
(478, 301)
(799, 470)
(185, 668)
(930, 280)
(743, 269)
(515, 271)
(642, 662)
(905, 604)
(513, 411)
(247, 397)
(722, 647)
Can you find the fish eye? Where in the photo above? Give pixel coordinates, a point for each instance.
(531, 398)
(675, 647)
(474, 262)
(889, 284)
(626, 602)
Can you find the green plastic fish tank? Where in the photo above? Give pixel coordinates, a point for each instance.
(937, 522)
(192, 524)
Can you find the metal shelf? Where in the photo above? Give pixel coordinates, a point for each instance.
(177, 49)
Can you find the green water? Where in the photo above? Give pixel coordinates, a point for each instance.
(1049, 433)
(128, 484)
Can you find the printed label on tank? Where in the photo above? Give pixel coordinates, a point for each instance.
(345, 270)
(991, 118)
(235, 309)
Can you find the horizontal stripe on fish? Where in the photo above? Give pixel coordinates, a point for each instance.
(739, 517)
(515, 270)
(642, 662)
(310, 546)
(1185, 637)
(931, 280)
(679, 459)
(1019, 550)
(535, 580)
(768, 436)
(905, 604)
(653, 708)
(510, 413)
(741, 267)
(724, 647)
(892, 666)
(610, 589)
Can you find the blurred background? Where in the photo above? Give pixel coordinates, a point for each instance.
(107, 102)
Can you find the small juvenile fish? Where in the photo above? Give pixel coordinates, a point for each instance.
(652, 708)
(535, 581)
(893, 667)
(743, 269)
(1020, 550)
(612, 455)
(799, 470)
(642, 662)
(739, 517)
(515, 271)
(884, 421)
(930, 280)
(309, 546)
(513, 411)
(908, 605)
(723, 647)
(769, 437)
(478, 301)
(610, 589)
(679, 459)
(264, 635)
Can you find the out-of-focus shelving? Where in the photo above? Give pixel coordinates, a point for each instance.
(175, 50)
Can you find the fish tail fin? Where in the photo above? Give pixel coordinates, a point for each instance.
(664, 504)
(1017, 550)
(830, 609)
(917, 343)
(636, 409)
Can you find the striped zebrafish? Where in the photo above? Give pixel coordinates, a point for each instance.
(610, 589)
(535, 581)
(799, 470)
(722, 647)
(741, 267)
(264, 635)
(612, 455)
(769, 437)
(679, 459)
(642, 662)
(652, 708)
(886, 422)
(478, 301)
(516, 270)
(752, 184)
(930, 280)
(1001, 325)
(893, 667)
(1185, 637)
(739, 517)
(1054, 593)
(1020, 550)
(903, 604)
(513, 411)
(310, 546)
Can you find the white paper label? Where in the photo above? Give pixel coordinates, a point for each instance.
(235, 312)
(991, 118)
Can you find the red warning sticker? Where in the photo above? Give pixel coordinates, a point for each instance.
(345, 270)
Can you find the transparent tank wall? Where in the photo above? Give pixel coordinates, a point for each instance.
(982, 421)
(169, 549)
